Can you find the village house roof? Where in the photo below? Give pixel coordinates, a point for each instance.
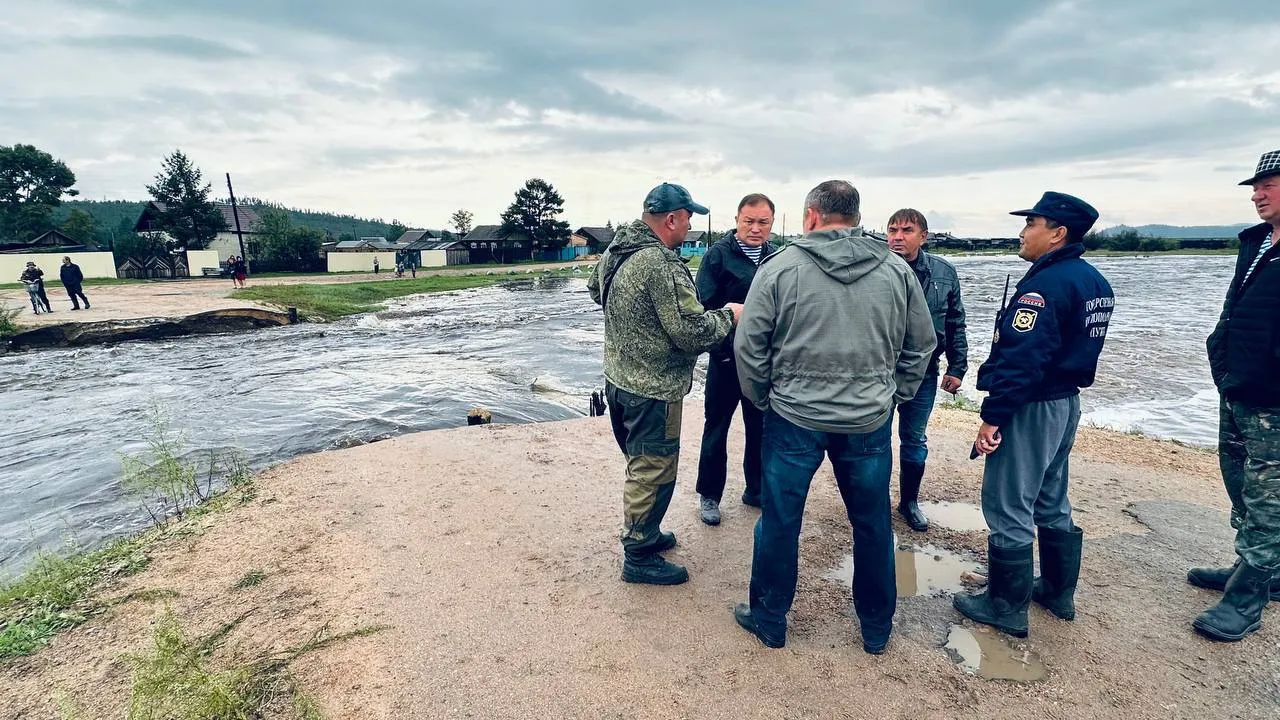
(249, 219)
(50, 241)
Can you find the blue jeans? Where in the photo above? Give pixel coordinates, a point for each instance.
(862, 463)
(913, 418)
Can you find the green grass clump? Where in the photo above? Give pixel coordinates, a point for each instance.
(55, 593)
(334, 300)
(179, 677)
(250, 579)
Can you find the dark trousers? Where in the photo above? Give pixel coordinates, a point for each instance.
(648, 434)
(44, 299)
(74, 291)
(723, 398)
(862, 464)
(913, 419)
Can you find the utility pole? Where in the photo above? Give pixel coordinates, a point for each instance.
(236, 214)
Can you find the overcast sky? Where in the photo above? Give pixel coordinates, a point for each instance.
(1152, 110)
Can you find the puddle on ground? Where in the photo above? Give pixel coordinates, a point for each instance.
(920, 571)
(961, 517)
(991, 655)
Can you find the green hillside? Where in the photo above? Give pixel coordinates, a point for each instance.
(117, 217)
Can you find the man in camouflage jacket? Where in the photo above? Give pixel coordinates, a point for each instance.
(654, 330)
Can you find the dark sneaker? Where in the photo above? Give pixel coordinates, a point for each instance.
(653, 570)
(710, 510)
(751, 500)
(742, 613)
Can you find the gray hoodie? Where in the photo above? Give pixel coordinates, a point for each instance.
(835, 332)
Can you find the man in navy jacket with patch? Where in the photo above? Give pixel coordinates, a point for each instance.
(1046, 347)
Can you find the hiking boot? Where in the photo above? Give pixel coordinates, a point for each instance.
(742, 613)
(652, 570)
(710, 510)
(1003, 605)
(1240, 610)
(909, 478)
(1055, 589)
(750, 500)
(666, 541)
(1216, 579)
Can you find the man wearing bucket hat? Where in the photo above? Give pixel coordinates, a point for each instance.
(1046, 347)
(1245, 361)
(654, 331)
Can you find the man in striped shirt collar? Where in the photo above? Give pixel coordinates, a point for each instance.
(1244, 357)
(725, 276)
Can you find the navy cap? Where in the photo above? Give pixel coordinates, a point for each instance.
(1069, 211)
(669, 198)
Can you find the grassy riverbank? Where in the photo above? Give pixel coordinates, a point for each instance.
(332, 301)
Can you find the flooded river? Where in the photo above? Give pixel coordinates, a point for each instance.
(529, 351)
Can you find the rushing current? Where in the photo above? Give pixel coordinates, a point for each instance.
(528, 351)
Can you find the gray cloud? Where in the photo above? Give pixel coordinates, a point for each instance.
(179, 45)
(513, 68)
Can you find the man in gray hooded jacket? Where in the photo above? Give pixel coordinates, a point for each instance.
(835, 332)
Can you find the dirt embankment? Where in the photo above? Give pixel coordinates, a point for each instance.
(179, 298)
(491, 553)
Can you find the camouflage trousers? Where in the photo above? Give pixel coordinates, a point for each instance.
(648, 433)
(1249, 454)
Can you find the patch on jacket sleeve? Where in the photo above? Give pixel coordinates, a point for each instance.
(1032, 299)
(1024, 320)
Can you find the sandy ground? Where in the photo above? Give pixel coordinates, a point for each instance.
(179, 298)
(491, 553)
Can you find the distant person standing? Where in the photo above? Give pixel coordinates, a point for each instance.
(1244, 357)
(1046, 348)
(907, 232)
(34, 276)
(654, 330)
(724, 276)
(242, 271)
(72, 280)
(375, 264)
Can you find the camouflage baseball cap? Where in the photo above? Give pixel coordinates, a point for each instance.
(669, 198)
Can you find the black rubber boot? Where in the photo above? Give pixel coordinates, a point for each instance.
(1003, 605)
(1216, 579)
(909, 478)
(652, 569)
(1055, 589)
(1240, 610)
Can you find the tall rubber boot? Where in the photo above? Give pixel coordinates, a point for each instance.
(1003, 605)
(909, 477)
(1055, 589)
(1240, 610)
(1213, 578)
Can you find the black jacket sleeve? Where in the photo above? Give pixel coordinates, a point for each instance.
(957, 342)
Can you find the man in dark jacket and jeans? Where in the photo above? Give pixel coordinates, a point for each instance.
(72, 280)
(724, 276)
(827, 368)
(1244, 358)
(907, 232)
